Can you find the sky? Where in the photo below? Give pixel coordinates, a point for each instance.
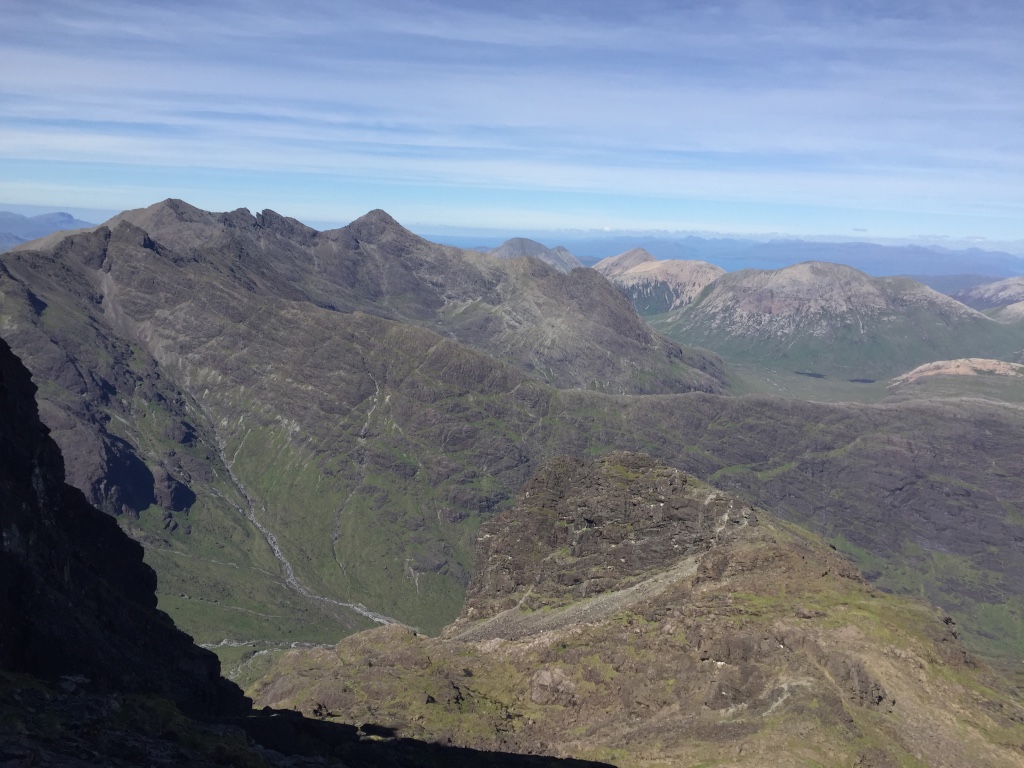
(873, 118)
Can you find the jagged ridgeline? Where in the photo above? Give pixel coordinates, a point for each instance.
(625, 611)
(306, 429)
(280, 411)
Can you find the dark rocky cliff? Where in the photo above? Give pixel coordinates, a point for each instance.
(75, 596)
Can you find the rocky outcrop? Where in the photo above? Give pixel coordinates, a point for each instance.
(582, 528)
(76, 599)
(710, 633)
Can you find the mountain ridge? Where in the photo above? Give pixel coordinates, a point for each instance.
(270, 413)
(738, 640)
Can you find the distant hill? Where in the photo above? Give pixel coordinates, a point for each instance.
(830, 319)
(733, 254)
(657, 286)
(557, 257)
(951, 284)
(16, 229)
(1000, 293)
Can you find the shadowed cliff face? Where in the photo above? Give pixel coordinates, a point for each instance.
(75, 596)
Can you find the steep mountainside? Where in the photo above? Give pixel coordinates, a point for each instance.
(180, 361)
(828, 319)
(655, 287)
(625, 611)
(557, 257)
(295, 425)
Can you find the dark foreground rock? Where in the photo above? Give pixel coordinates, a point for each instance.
(75, 597)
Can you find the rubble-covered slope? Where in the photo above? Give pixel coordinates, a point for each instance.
(626, 611)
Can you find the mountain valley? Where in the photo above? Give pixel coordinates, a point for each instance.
(306, 429)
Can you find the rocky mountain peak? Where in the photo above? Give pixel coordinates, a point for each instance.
(378, 227)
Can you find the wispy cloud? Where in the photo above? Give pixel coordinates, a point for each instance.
(914, 107)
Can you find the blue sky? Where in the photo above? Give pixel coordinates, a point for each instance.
(880, 118)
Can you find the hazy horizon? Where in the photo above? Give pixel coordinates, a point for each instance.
(471, 237)
(875, 121)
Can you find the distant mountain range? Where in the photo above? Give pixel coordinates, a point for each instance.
(826, 319)
(732, 254)
(16, 229)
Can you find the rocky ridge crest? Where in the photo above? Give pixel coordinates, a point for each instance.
(739, 640)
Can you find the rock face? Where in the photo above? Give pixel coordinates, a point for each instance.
(655, 287)
(831, 319)
(75, 596)
(558, 257)
(707, 632)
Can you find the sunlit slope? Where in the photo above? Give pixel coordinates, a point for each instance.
(835, 321)
(624, 611)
